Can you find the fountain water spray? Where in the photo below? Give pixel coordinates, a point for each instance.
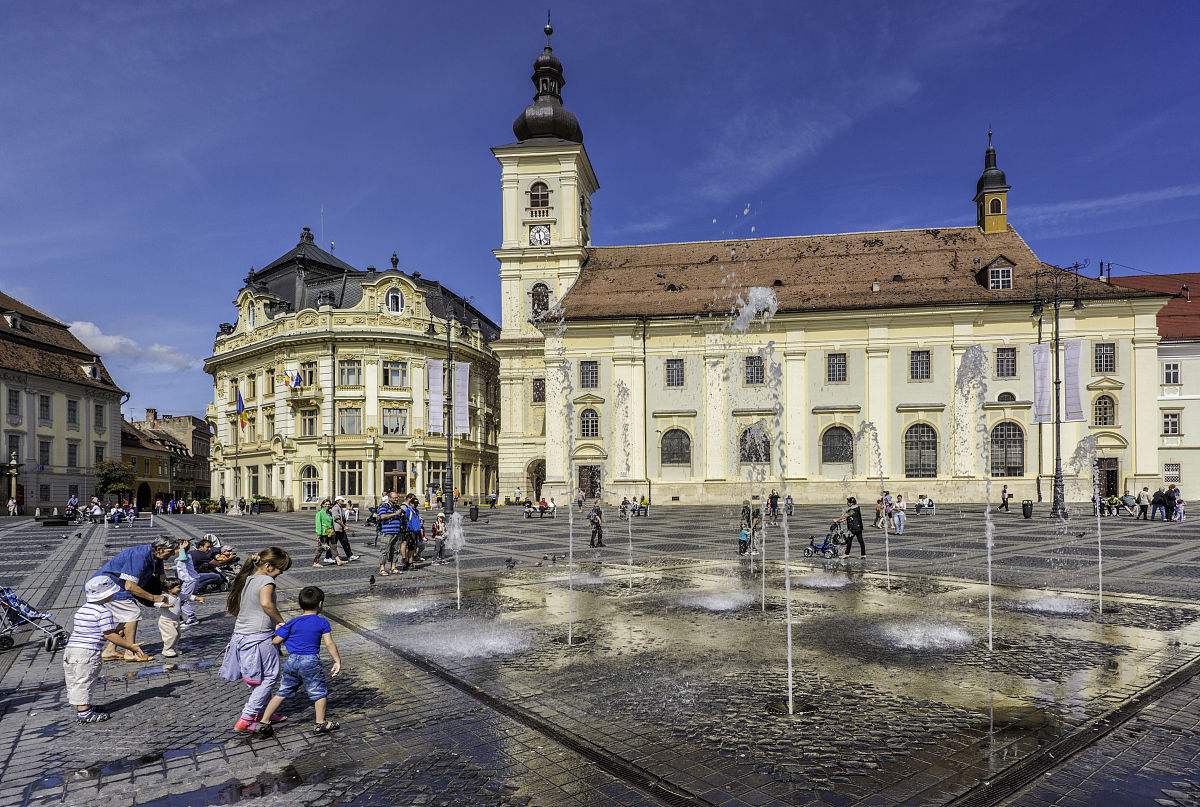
(456, 540)
(971, 378)
(568, 393)
(622, 406)
(774, 374)
(867, 430)
(1084, 457)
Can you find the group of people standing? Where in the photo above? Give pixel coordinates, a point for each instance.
(893, 511)
(175, 505)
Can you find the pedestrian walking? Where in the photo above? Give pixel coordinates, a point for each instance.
(391, 526)
(303, 637)
(1157, 503)
(878, 514)
(1143, 504)
(789, 506)
(1004, 497)
(341, 529)
(898, 514)
(12, 506)
(597, 521)
(93, 627)
(1169, 499)
(852, 517)
(323, 525)
(251, 657)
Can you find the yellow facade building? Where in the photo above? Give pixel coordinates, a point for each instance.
(333, 367)
(624, 371)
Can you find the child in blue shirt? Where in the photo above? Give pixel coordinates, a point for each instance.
(302, 637)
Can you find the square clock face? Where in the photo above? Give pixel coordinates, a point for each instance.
(539, 235)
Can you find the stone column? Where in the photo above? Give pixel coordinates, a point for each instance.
(1144, 417)
(795, 411)
(716, 418)
(416, 377)
(558, 413)
(877, 398)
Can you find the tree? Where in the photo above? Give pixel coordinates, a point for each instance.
(113, 476)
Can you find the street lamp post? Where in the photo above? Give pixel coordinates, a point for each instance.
(1055, 275)
(13, 470)
(448, 404)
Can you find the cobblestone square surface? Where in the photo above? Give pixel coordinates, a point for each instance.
(653, 670)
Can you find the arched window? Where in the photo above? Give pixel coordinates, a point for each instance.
(539, 297)
(395, 301)
(1006, 397)
(589, 423)
(996, 207)
(1008, 450)
(920, 451)
(676, 448)
(1104, 411)
(251, 319)
(755, 444)
(539, 195)
(310, 483)
(837, 445)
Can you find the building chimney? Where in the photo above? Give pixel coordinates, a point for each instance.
(152, 416)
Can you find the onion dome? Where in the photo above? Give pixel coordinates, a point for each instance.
(546, 116)
(992, 178)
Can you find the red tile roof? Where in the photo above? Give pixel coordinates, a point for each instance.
(1179, 319)
(43, 346)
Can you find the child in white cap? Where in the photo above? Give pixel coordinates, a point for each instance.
(94, 625)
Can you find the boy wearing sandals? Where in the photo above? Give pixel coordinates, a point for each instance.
(303, 636)
(94, 625)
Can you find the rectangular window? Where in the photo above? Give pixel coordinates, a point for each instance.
(350, 478)
(251, 431)
(308, 422)
(44, 409)
(99, 453)
(72, 412)
(251, 386)
(539, 390)
(72, 455)
(233, 389)
(350, 420)
(1006, 362)
(349, 373)
(1106, 357)
(1000, 277)
(674, 372)
(99, 415)
(395, 421)
(589, 374)
(268, 426)
(919, 365)
(755, 374)
(835, 368)
(270, 387)
(43, 493)
(1171, 372)
(1172, 423)
(44, 452)
(14, 403)
(252, 478)
(14, 447)
(308, 373)
(395, 374)
(1171, 472)
(147, 466)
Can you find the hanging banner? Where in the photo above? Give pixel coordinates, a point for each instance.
(462, 388)
(1041, 383)
(436, 397)
(1073, 405)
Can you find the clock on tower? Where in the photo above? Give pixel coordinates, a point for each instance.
(539, 235)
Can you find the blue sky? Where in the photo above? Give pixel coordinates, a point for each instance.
(153, 152)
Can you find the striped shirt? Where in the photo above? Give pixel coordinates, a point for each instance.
(92, 621)
(393, 526)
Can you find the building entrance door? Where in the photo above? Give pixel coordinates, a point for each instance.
(1109, 469)
(395, 476)
(589, 481)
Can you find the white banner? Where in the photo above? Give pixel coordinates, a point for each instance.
(1073, 405)
(436, 397)
(462, 388)
(1041, 384)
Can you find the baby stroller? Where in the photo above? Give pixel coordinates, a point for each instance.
(838, 534)
(16, 614)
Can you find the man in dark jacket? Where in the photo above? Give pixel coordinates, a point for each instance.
(854, 524)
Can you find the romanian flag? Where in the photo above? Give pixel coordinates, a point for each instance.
(243, 418)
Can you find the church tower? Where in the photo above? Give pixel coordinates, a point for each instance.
(991, 194)
(546, 186)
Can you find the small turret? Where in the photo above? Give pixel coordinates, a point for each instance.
(991, 194)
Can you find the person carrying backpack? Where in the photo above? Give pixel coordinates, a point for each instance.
(597, 521)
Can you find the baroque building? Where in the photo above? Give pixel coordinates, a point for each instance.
(622, 374)
(62, 409)
(333, 366)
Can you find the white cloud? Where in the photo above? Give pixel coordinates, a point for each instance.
(143, 357)
(1104, 213)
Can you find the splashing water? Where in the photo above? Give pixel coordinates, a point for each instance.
(405, 606)
(822, 580)
(622, 406)
(759, 301)
(971, 377)
(919, 635)
(719, 601)
(1053, 605)
(464, 638)
(1084, 457)
(867, 431)
(456, 539)
(568, 402)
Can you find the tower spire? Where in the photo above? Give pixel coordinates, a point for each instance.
(549, 29)
(546, 117)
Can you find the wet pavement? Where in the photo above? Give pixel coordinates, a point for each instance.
(663, 681)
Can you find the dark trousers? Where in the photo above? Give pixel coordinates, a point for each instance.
(597, 537)
(1143, 511)
(1004, 504)
(1169, 511)
(323, 549)
(340, 540)
(861, 544)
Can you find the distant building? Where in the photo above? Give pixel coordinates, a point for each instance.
(151, 458)
(62, 409)
(189, 471)
(1178, 375)
(334, 366)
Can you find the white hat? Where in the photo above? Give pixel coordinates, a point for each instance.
(100, 588)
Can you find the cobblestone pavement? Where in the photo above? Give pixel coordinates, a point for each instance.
(551, 725)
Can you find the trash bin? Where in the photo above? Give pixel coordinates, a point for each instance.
(474, 511)
(1027, 508)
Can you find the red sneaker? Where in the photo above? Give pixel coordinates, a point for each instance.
(244, 725)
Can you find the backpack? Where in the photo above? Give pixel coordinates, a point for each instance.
(414, 520)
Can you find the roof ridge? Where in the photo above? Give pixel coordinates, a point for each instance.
(789, 237)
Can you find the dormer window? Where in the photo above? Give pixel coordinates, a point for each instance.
(395, 301)
(1000, 277)
(13, 319)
